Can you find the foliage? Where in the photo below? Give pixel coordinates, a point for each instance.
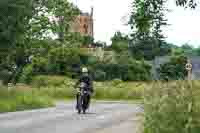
(173, 70)
(18, 100)
(87, 40)
(186, 50)
(52, 16)
(58, 60)
(30, 24)
(124, 68)
(15, 17)
(99, 75)
(60, 87)
(27, 74)
(62, 59)
(119, 90)
(43, 81)
(172, 107)
(146, 21)
(119, 42)
(145, 49)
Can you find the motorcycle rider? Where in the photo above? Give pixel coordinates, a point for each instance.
(85, 77)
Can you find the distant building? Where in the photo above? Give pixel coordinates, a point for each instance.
(84, 24)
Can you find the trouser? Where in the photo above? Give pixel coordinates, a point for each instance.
(87, 101)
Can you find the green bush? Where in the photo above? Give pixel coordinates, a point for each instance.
(172, 107)
(100, 75)
(130, 70)
(43, 81)
(173, 70)
(27, 74)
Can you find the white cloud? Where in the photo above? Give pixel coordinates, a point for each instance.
(108, 16)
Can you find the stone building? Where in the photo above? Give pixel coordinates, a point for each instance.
(84, 24)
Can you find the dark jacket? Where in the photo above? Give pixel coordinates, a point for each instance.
(86, 79)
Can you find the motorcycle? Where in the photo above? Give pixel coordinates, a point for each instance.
(82, 98)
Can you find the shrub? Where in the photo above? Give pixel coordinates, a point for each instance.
(44, 81)
(174, 70)
(119, 90)
(16, 100)
(59, 87)
(172, 108)
(99, 75)
(26, 75)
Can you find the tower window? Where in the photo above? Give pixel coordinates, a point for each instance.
(85, 28)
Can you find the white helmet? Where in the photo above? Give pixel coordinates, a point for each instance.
(84, 70)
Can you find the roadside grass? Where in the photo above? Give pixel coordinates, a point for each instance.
(172, 107)
(45, 90)
(18, 100)
(59, 87)
(168, 106)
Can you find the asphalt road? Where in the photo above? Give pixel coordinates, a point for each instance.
(101, 118)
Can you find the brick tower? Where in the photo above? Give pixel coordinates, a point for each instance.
(84, 24)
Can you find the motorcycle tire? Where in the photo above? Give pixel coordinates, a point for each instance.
(79, 111)
(84, 111)
(79, 108)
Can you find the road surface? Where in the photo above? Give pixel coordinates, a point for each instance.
(103, 117)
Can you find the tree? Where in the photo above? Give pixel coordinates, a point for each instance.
(27, 22)
(15, 17)
(147, 20)
(88, 40)
(53, 17)
(119, 42)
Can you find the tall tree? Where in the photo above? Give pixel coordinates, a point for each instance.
(15, 17)
(147, 20)
(119, 42)
(53, 17)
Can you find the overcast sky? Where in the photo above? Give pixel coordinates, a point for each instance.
(110, 16)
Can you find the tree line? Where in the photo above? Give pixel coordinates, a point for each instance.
(35, 38)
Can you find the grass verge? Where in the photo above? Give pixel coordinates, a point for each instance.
(18, 100)
(172, 107)
(59, 87)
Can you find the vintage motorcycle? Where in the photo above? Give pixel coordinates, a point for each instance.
(82, 98)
